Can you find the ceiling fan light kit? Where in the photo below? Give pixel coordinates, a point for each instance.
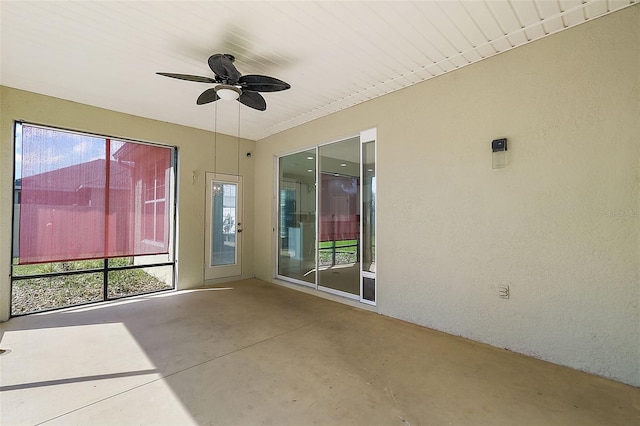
(231, 85)
(227, 92)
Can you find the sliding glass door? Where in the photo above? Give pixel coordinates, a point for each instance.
(326, 217)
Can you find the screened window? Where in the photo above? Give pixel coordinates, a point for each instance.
(93, 218)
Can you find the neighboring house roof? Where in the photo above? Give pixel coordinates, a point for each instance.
(91, 174)
(127, 152)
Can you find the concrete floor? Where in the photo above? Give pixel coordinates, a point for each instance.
(259, 354)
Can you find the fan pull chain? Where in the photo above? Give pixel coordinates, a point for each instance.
(239, 138)
(215, 138)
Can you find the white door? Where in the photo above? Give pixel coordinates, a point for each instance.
(223, 245)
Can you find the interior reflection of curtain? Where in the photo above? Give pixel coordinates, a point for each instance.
(74, 204)
(339, 215)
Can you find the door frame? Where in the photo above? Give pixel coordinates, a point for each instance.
(231, 270)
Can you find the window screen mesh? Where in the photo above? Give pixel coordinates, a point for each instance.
(84, 197)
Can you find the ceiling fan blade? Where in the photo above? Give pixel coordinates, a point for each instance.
(188, 77)
(222, 66)
(262, 83)
(253, 100)
(207, 96)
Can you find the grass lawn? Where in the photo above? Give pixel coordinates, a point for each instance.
(38, 294)
(346, 252)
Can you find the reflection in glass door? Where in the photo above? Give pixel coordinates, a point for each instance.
(224, 225)
(297, 217)
(339, 221)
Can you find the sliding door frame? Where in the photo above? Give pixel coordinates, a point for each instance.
(364, 137)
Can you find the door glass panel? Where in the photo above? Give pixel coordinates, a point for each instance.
(297, 216)
(223, 220)
(339, 224)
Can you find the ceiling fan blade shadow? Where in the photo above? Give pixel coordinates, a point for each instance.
(207, 96)
(262, 83)
(188, 77)
(222, 66)
(253, 100)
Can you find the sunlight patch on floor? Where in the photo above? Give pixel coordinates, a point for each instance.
(79, 364)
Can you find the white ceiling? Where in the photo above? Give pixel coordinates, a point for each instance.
(334, 54)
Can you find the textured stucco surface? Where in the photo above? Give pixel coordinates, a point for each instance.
(559, 225)
(196, 153)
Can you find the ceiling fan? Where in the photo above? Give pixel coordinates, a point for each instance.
(231, 85)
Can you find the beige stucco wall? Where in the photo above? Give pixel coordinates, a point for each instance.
(559, 225)
(196, 156)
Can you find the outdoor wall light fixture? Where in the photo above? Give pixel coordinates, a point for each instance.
(499, 153)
